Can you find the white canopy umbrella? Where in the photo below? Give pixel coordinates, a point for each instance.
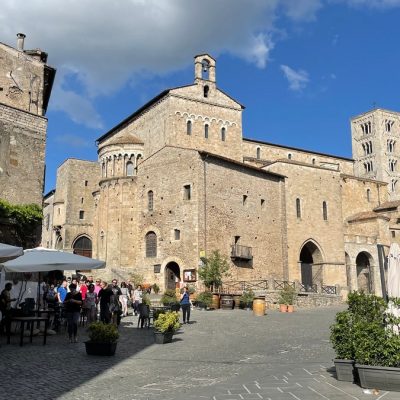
(42, 260)
(393, 281)
(7, 251)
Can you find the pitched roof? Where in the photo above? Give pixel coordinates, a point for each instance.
(388, 205)
(365, 215)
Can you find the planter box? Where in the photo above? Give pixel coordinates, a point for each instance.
(384, 378)
(100, 349)
(344, 370)
(161, 338)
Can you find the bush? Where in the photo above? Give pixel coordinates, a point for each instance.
(215, 268)
(169, 297)
(205, 298)
(146, 299)
(342, 336)
(287, 295)
(247, 297)
(156, 288)
(363, 332)
(167, 322)
(102, 333)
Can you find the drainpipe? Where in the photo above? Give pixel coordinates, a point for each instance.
(205, 202)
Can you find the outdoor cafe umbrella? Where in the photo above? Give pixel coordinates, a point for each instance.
(7, 252)
(393, 281)
(43, 260)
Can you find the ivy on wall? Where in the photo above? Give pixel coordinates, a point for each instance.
(25, 218)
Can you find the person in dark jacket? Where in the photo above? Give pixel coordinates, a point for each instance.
(73, 304)
(185, 305)
(104, 296)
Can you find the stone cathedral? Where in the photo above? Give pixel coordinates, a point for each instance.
(178, 179)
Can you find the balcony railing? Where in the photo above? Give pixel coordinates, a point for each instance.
(241, 252)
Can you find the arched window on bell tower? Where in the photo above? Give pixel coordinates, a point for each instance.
(205, 70)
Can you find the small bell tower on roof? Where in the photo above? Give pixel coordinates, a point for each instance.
(204, 69)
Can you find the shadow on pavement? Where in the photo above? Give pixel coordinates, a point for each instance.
(47, 372)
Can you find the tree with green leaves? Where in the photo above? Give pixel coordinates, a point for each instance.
(215, 268)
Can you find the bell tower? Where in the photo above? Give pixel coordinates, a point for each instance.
(204, 70)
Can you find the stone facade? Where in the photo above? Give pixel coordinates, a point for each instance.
(25, 85)
(177, 180)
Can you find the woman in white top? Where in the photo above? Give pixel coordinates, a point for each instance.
(137, 299)
(123, 298)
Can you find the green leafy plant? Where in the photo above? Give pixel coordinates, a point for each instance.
(169, 297)
(205, 298)
(146, 299)
(215, 268)
(342, 335)
(156, 288)
(102, 333)
(25, 218)
(167, 322)
(137, 279)
(247, 297)
(287, 295)
(192, 289)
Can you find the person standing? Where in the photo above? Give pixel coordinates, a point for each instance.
(62, 291)
(90, 304)
(5, 308)
(73, 303)
(115, 305)
(105, 295)
(137, 299)
(125, 296)
(185, 305)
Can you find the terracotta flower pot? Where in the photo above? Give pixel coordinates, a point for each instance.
(283, 308)
(290, 308)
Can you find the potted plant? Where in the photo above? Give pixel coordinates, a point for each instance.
(286, 299)
(204, 300)
(156, 288)
(102, 339)
(192, 293)
(246, 299)
(342, 332)
(169, 299)
(165, 326)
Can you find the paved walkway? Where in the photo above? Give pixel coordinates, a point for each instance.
(221, 355)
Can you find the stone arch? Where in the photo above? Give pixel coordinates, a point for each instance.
(59, 243)
(172, 274)
(364, 261)
(82, 245)
(311, 263)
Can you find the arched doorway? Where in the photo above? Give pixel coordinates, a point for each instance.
(172, 275)
(363, 272)
(83, 247)
(310, 273)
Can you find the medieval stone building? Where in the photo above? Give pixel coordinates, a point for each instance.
(25, 87)
(176, 180)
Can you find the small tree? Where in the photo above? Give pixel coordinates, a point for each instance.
(215, 268)
(136, 279)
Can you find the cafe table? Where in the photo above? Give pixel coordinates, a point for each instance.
(27, 320)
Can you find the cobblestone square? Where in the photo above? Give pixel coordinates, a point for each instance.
(221, 355)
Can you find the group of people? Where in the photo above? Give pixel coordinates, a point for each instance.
(94, 299)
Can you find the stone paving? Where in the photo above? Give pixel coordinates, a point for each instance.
(221, 355)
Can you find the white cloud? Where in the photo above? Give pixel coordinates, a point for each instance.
(73, 140)
(383, 4)
(298, 80)
(106, 44)
(301, 10)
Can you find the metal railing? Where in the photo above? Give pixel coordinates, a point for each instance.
(303, 288)
(326, 289)
(281, 285)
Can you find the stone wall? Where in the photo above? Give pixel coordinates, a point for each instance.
(257, 152)
(22, 153)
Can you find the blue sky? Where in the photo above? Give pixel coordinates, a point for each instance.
(302, 68)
